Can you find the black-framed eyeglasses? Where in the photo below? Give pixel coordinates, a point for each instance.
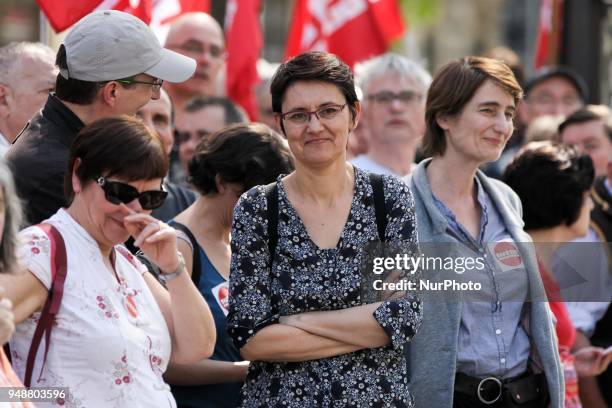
(301, 117)
(117, 192)
(155, 85)
(386, 97)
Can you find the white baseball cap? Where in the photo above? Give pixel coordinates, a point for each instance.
(110, 44)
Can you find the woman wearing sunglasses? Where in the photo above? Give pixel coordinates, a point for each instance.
(117, 327)
(224, 165)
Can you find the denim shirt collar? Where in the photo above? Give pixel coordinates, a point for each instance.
(456, 225)
(439, 222)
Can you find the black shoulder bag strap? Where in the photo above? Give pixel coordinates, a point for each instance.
(380, 210)
(196, 270)
(272, 202)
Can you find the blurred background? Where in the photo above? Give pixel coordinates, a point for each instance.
(436, 31)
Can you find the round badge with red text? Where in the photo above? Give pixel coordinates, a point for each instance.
(507, 255)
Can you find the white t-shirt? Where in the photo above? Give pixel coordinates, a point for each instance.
(111, 343)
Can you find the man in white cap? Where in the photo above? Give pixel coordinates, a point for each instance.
(111, 63)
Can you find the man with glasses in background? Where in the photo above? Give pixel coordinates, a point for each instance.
(199, 36)
(552, 91)
(110, 64)
(393, 104)
(158, 115)
(203, 116)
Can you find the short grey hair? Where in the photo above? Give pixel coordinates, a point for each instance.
(10, 53)
(12, 220)
(391, 63)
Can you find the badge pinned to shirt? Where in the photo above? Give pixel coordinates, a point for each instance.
(506, 255)
(221, 294)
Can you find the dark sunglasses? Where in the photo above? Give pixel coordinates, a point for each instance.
(117, 193)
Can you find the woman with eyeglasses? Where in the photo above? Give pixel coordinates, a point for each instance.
(301, 308)
(224, 165)
(117, 328)
(493, 346)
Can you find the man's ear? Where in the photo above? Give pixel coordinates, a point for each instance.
(5, 97)
(109, 92)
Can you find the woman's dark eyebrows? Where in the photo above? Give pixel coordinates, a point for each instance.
(495, 104)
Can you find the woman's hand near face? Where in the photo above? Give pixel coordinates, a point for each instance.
(7, 323)
(156, 239)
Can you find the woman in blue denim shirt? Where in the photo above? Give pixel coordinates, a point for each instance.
(499, 351)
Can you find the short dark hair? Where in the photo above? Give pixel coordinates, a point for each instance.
(551, 181)
(233, 114)
(118, 146)
(583, 116)
(314, 66)
(452, 88)
(70, 89)
(247, 154)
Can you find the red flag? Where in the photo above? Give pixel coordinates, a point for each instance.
(544, 33)
(243, 42)
(64, 13)
(355, 30)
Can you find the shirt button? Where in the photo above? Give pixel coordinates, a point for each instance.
(498, 331)
(503, 360)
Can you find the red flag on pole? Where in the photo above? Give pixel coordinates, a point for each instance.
(545, 26)
(64, 13)
(243, 42)
(355, 30)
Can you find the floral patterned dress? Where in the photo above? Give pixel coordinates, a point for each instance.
(306, 278)
(110, 345)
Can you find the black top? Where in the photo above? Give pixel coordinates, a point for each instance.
(39, 158)
(304, 277)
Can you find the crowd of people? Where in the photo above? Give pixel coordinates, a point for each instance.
(158, 249)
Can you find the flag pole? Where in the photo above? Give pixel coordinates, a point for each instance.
(43, 28)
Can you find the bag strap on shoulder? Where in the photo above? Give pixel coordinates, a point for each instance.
(272, 201)
(195, 268)
(59, 269)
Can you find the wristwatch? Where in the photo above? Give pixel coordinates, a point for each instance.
(167, 277)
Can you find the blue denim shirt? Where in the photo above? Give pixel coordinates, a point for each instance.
(491, 339)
